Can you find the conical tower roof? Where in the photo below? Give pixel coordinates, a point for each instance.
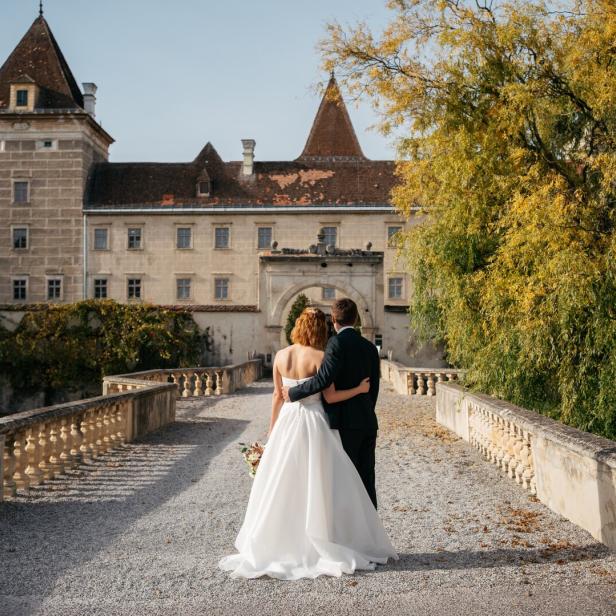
(39, 57)
(332, 135)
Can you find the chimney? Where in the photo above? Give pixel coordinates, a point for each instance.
(89, 98)
(249, 157)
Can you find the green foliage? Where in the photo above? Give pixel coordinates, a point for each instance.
(297, 308)
(72, 346)
(508, 112)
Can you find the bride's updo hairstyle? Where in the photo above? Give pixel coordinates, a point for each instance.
(310, 329)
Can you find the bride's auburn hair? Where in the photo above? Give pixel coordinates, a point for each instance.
(310, 329)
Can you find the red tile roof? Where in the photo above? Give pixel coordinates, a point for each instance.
(39, 57)
(331, 171)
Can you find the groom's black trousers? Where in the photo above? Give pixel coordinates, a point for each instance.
(360, 446)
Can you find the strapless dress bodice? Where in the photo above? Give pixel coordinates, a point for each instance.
(310, 400)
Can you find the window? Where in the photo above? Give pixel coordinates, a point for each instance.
(328, 293)
(395, 287)
(101, 239)
(47, 144)
(184, 237)
(134, 239)
(221, 237)
(391, 233)
(100, 288)
(221, 288)
(331, 235)
(20, 287)
(54, 288)
(183, 288)
(22, 98)
(204, 188)
(21, 190)
(20, 238)
(134, 288)
(264, 238)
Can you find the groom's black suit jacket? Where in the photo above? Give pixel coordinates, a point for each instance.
(349, 358)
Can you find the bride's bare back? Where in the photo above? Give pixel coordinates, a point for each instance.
(298, 362)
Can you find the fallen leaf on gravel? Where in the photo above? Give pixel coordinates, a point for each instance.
(352, 583)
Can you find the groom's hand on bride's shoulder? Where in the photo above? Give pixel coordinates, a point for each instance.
(285, 394)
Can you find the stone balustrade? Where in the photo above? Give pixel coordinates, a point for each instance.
(416, 381)
(190, 382)
(572, 472)
(43, 443)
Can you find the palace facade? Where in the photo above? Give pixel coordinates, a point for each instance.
(236, 241)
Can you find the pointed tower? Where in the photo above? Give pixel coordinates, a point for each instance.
(48, 141)
(332, 136)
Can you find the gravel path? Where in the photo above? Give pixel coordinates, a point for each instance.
(140, 532)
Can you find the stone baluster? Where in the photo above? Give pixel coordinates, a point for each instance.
(218, 391)
(19, 475)
(121, 419)
(440, 377)
(198, 389)
(65, 444)
(91, 434)
(500, 441)
(485, 431)
(473, 427)
(176, 381)
(55, 448)
(113, 426)
(98, 416)
(208, 384)
(410, 383)
(8, 461)
(84, 448)
(106, 412)
(490, 446)
(527, 475)
(420, 384)
(44, 452)
(515, 453)
(31, 450)
(187, 392)
(76, 439)
(431, 386)
(507, 444)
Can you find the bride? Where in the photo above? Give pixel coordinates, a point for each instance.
(308, 513)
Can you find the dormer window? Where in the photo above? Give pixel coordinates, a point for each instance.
(24, 93)
(204, 188)
(21, 98)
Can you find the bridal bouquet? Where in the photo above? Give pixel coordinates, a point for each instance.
(252, 455)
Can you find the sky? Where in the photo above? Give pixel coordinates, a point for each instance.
(175, 74)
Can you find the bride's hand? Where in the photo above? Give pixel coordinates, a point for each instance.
(364, 386)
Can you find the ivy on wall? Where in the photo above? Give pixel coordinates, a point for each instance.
(72, 346)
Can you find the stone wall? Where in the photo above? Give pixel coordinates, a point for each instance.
(53, 215)
(572, 472)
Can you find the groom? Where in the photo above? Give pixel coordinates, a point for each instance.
(349, 358)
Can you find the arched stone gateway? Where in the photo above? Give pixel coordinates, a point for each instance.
(357, 274)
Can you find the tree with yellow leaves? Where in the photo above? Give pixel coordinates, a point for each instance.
(508, 117)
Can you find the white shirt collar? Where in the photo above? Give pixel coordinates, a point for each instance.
(345, 327)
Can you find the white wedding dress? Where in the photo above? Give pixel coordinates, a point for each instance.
(308, 513)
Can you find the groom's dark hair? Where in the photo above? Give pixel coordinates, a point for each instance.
(344, 312)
